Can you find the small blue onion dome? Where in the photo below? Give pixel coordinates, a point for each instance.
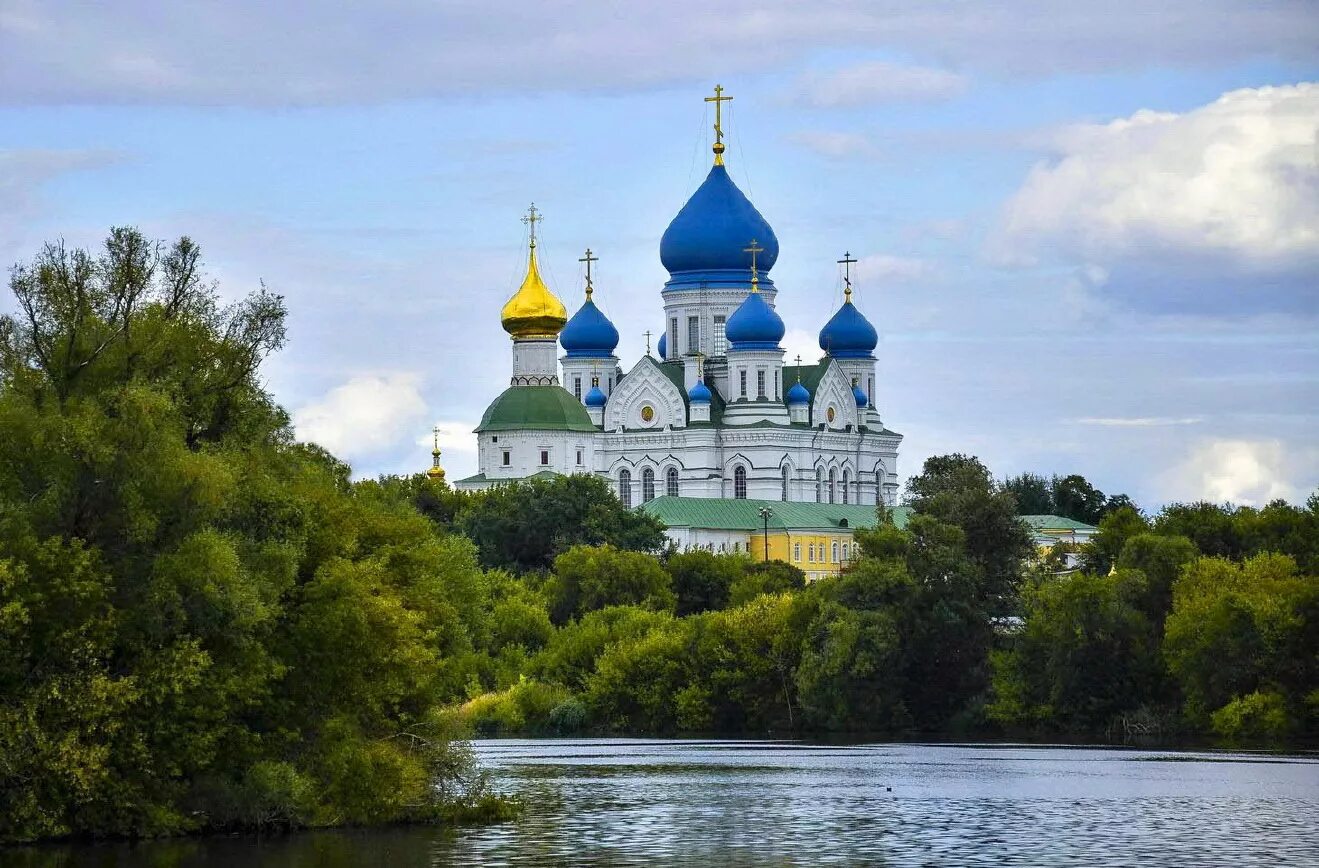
(663, 346)
(699, 393)
(860, 396)
(849, 335)
(589, 334)
(595, 397)
(754, 325)
(713, 228)
(798, 394)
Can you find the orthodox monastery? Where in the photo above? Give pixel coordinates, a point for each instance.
(718, 414)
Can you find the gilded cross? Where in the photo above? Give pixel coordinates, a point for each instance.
(588, 259)
(436, 435)
(533, 217)
(718, 99)
(847, 262)
(753, 250)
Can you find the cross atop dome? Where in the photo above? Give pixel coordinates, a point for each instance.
(718, 99)
(533, 217)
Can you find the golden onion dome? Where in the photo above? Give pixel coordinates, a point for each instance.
(436, 472)
(533, 311)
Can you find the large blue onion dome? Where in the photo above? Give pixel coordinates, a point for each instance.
(699, 393)
(595, 397)
(798, 394)
(663, 346)
(589, 334)
(848, 334)
(713, 228)
(754, 325)
(860, 396)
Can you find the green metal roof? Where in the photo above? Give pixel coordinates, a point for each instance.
(674, 371)
(481, 477)
(1056, 522)
(810, 376)
(713, 513)
(536, 408)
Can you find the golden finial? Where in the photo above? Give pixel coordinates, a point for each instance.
(755, 275)
(436, 472)
(588, 259)
(533, 311)
(847, 262)
(718, 99)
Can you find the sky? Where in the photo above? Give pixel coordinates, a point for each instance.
(1088, 233)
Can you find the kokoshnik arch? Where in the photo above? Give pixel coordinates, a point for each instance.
(718, 414)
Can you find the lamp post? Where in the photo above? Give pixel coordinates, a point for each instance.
(765, 513)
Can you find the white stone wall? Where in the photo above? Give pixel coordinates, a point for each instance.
(524, 452)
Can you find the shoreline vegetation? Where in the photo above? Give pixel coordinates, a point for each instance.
(206, 626)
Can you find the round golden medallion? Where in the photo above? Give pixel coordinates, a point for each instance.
(830, 413)
(647, 413)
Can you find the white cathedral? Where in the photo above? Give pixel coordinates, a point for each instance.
(718, 414)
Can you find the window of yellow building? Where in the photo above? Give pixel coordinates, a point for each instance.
(796, 551)
(834, 551)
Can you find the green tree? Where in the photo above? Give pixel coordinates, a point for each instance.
(958, 490)
(701, 580)
(1159, 559)
(1213, 528)
(765, 577)
(1034, 494)
(1075, 498)
(587, 578)
(572, 652)
(201, 625)
(1085, 654)
(1243, 641)
(1120, 525)
(524, 526)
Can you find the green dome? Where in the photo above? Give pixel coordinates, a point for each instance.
(536, 408)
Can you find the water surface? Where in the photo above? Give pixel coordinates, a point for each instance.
(651, 802)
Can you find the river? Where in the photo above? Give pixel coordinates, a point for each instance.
(652, 802)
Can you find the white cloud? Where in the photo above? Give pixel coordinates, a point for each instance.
(364, 416)
(455, 436)
(878, 82)
(886, 268)
(23, 174)
(245, 52)
(837, 145)
(1237, 177)
(1248, 472)
(801, 342)
(1138, 421)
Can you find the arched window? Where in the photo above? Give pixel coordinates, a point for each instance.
(810, 553)
(847, 483)
(834, 551)
(879, 485)
(844, 551)
(625, 486)
(783, 495)
(647, 484)
(819, 485)
(671, 482)
(796, 551)
(833, 485)
(740, 482)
